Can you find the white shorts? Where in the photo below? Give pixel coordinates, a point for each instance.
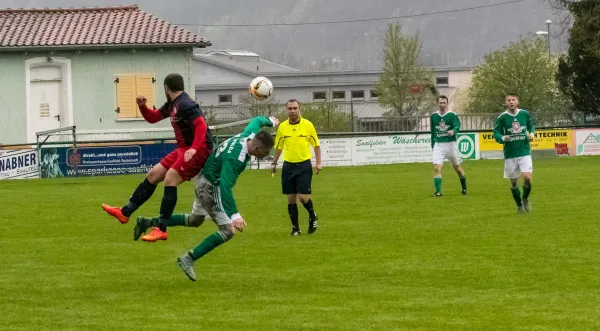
(513, 168)
(449, 151)
(208, 202)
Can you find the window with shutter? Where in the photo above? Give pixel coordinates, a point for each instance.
(128, 88)
(126, 106)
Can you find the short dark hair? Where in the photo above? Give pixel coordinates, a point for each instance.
(511, 94)
(174, 82)
(292, 100)
(265, 139)
(443, 97)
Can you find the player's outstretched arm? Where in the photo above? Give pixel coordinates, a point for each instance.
(151, 115)
(258, 123)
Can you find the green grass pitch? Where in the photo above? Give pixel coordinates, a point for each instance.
(387, 255)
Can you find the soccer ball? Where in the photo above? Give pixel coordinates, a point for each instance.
(261, 88)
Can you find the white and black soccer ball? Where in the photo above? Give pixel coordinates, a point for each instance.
(261, 88)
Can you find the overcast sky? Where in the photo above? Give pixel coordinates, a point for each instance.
(453, 38)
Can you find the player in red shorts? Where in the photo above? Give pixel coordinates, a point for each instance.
(194, 145)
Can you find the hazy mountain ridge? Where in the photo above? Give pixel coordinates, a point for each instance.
(451, 39)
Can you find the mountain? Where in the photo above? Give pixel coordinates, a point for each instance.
(455, 38)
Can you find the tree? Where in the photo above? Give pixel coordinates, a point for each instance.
(579, 71)
(524, 68)
(402, 71)
(252, 107)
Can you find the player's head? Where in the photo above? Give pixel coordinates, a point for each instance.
(443, 102)
(293, 109)
(261, 144)
(173, 84)
(511, 100)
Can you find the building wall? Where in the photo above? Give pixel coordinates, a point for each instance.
(93, 86)
(282, 94)
(460, 79)
(205, 73)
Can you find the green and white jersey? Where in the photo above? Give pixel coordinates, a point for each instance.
(515, 127)
(229, 160)
(441, 124)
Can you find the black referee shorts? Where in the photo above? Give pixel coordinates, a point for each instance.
(296, 178)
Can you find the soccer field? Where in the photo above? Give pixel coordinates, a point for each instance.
(386, 255)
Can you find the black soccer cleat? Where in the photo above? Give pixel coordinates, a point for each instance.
(295, 232)
(312, 224)
(437, 194)
(464, 192)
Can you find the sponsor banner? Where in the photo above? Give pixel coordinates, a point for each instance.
(544, 139)
(468, 146)
(19, 164)
(380, 150)
(587, 141)
(392, 149)
(102, 161)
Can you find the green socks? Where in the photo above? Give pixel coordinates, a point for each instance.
(437, 181)
(211, 242)
(175, 220)
(463, 182)
(526, 191)
(517, 196)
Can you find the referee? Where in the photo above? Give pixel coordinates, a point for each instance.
(295, 136)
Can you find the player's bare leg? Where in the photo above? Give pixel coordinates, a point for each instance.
(141, 194)
(527, 179)
(312, 216)
(169, 201)
(437, 179)
(293, 212)
(516, 193)
(462, 177)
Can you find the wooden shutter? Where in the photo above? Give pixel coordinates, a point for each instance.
(145, 86)
(126, 93)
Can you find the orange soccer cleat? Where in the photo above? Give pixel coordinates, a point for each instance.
(116, 213)
(155, 235)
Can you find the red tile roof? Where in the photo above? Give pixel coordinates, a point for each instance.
(89, 27)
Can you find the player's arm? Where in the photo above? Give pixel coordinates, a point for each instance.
(530, 126)
(316, 144)
(258, 123)
(456, 125)
(277, 148)
(191, 114)
(432, 131)
(498, 132)
(151, 115)
(230, 172)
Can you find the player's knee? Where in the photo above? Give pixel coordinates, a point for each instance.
(195, 220)
(227, 230)
(303, 198)
(292, 198)
(156, 175)
(173, 178)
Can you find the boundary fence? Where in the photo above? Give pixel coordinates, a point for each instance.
(76, 154)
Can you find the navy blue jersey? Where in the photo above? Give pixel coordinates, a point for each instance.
(184, 112)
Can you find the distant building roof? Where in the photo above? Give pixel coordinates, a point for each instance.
(243, 61)
(89, 27)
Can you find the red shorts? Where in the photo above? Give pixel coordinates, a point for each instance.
(187, 170)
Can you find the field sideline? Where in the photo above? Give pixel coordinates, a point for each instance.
(386, 256)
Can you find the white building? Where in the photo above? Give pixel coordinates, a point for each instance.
(222, 77)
